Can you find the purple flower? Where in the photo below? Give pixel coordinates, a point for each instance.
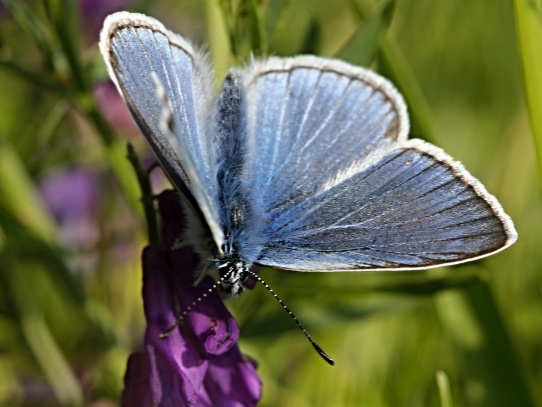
(72, 196)
(199, 363)
(94, 12)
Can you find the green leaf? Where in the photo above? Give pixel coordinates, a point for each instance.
(20, 197)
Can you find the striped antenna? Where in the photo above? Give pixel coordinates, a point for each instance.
(185, 311)
(318, 349)
(181, 317)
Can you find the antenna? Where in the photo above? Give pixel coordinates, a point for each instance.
(185, 311)
(180, 318)
(318, 349)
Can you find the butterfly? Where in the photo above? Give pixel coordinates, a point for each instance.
(300, 163)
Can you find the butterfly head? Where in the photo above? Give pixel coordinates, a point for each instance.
(233, 271)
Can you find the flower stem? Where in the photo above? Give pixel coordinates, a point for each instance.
(147, 198)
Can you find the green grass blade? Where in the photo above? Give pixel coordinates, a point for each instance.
(25, 17)
(258, 33)
(363, 45)
(395, 66)
(529, 30)
(49, 356)
(20, 197)
(493, 372)
(219, 42)
(147, 197)
(399, 71)
(445, 393)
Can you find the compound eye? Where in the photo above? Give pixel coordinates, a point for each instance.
(224, 269)
(244, 274)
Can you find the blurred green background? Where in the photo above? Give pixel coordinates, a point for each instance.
(71, 226)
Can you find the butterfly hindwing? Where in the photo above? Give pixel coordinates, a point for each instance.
(412, 208)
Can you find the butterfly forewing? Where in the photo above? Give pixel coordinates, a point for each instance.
(139, 51)
(310, 120)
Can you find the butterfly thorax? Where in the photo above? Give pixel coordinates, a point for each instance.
(233, 271)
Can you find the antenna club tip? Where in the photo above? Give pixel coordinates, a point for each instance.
(169, 331)
(323, 354)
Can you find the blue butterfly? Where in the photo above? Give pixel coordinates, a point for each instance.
(298, 163)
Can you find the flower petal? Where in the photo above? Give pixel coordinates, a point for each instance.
(232, 380)
(177, 367)
(199, 363)
(137, 391)
(210, 320)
